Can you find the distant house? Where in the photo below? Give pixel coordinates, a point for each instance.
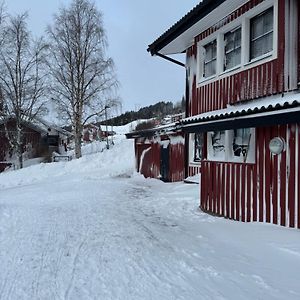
(159, 152)
(39, 139)
(242, 120)
(91, 133)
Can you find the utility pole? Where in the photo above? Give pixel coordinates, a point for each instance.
(112, 135)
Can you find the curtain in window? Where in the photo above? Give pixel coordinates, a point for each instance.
(261, 34)
(210, 60)
(232, 41)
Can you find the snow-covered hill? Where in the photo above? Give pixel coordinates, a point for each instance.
(94, 229)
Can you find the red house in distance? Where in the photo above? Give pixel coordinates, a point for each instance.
(242, 120)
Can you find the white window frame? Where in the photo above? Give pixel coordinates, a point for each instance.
(192, 160)
(243, 22)
(262, 36)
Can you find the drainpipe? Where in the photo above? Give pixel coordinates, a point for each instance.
(171, 59)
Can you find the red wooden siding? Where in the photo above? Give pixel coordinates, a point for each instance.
(298, 43)
(260, 81)
(149, 161)
(148, 158)
(176, 162)
(193, 170)
(29, 136)
(268, 191)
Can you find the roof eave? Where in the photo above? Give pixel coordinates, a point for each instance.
(191, 18)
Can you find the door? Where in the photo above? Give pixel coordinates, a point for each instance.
(164, 163)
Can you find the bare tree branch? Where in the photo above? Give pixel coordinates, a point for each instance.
(83, 77)
(22, 83)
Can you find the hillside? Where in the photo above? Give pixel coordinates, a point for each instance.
(158, 111)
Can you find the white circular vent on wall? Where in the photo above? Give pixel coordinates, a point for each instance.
(277, 145)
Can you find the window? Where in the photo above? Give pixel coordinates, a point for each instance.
(261, 34)
(243, 43)
(198, 147)
(241, 142)
(210, 59)
(216, 145)
(218, 141)
(232, 48)
(236, 145)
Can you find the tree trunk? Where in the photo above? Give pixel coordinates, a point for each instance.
(19, 147)
(77, 136)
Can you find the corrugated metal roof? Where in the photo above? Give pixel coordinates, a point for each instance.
(163, 129)
(264, 111)
(247, 108)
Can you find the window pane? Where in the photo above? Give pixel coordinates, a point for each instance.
(261, 34)
(257, 48)
(218, 142)
(210, 58)
(257, 26)
(241, 141)
(210, 51)
(262, 45)
(199, 140)
(268, 45)
(233, 59)
(268, 21)
(232, 42)
(210, 68)
(229, 42)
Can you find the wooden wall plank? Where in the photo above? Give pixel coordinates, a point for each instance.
(267, 177)
(283, 181)
(249, 198)
(243, 193)
(291, 174)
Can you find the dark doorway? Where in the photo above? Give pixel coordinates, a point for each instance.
(164, 163)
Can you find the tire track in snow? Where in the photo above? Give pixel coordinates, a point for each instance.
(10, 275)
(74, 266)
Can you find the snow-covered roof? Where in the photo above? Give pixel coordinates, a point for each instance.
(266, 107)
(39, 125)
(46, 125)
(158, 130)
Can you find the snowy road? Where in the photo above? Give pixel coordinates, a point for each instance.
(84, 236)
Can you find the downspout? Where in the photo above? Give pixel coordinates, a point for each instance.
(187, 90)
(170, 59)
(186, 145)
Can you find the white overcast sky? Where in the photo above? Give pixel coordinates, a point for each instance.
(131, 26)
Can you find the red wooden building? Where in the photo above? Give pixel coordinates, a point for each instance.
(39, 139)
(160, 152)
(243, 109)
(91, 133)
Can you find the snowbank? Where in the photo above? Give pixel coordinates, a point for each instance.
(116, 161)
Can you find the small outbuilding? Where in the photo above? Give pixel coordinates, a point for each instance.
(160, 152)
(39, 139)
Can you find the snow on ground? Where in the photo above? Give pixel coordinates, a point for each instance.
(93, 229)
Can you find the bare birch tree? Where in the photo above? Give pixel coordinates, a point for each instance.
(21, 81)
(82, 75)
